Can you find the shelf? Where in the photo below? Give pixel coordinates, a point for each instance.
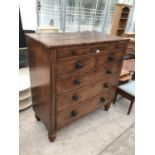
(125, 12)
(24, 94)
(123, 18)
(121, 28)
(25, 103)
(120, 19)
(24, 79)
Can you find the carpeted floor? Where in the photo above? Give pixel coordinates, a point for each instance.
(99, 133)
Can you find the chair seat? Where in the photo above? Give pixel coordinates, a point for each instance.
(128, 87)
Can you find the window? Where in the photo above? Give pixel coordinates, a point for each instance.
(79, 15)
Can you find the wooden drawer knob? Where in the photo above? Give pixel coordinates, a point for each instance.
(73, 52)
(74, 113)
(77, 82)
(111, 58)
(102, 99)
(75, 97)
(78, 65)
(106, 85)
(109, 71)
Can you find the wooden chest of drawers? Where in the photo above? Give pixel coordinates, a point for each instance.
(72, 74)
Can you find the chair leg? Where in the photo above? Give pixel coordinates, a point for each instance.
(115, 97)
(130, 107)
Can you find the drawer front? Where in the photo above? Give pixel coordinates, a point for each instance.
(73, 51)
(107, 46)
(109, 58)
(75, 65)
(75, 97)
(77, 81)
(69, 115)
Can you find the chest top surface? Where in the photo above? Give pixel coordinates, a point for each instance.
(78, 38)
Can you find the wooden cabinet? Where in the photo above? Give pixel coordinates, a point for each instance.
(120, 19)
(72, 74)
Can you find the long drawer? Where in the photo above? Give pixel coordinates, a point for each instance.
(84, 93)
(75, 65)
(71, 114)
(76, 81)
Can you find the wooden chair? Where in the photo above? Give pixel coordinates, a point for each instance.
(127, 90)
(128, 71)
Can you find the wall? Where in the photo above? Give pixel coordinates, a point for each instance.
(28, 14)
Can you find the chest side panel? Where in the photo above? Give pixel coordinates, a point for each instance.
(39, 64)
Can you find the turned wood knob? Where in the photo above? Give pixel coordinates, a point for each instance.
(75, 97)
(109, 71)
(77, 82)
(74, 113)
(73, 51)
(106, 85)
(78, 65)
(111, 58)
(102, 99)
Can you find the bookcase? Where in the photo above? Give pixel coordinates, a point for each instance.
(120, 19)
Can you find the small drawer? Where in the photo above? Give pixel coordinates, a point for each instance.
(71, 114)
(96, 49)
(84, 93)
(69, 52)
(108, 46)
(76, 81)
(109, 58)
(75, 65)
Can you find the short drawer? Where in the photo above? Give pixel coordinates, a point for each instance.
(109, 58)
(75, 65)
(84, 93)
(99, 48)
(76, 81)
(69, 115)
(72, 51)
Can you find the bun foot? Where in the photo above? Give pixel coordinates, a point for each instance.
(37, 118)
(106, 107)
(52, 137)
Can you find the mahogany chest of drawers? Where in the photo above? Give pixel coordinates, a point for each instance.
(72, 74)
